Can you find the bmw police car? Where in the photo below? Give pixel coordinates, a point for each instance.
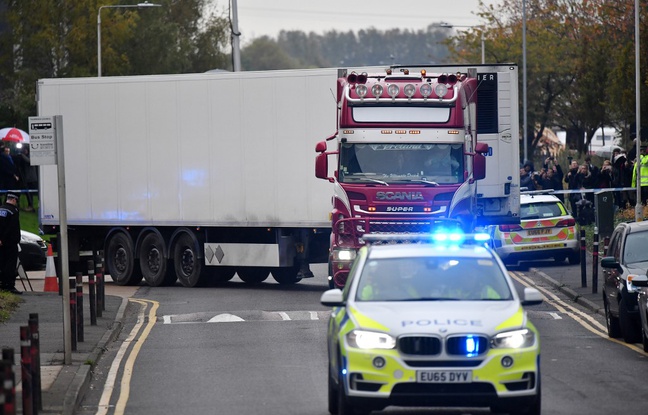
(431, 324)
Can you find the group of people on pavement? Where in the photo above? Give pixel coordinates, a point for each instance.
(617, 172)
(9, 240)
(17, 173)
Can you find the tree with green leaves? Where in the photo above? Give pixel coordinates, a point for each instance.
(46, 39)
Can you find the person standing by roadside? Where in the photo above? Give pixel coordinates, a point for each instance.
(28, 176)
(572, 184)
(643, 162)
(9, 240)
(553, 178)
(8, 171)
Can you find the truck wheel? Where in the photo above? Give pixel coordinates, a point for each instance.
(286, 276)
(153, 263)
(120, 260)
(253, 275)
(186, 263)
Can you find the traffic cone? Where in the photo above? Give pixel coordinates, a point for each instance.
(51, 282)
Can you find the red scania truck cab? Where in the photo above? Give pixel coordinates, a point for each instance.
(410, 152)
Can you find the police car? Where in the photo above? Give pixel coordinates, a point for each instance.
(546, 230)
(433, 323)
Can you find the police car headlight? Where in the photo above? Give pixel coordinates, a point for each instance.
(362, 339)
(344, 255)
(516, 339)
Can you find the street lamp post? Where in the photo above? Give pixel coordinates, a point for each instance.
(114, 6)
(481, 31)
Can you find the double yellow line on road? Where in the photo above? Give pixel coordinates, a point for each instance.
(584, 319)
(134, 336)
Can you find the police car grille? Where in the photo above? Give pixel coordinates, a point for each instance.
(419, 345)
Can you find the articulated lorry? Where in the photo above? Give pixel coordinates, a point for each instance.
(193, 177)
(418, 145)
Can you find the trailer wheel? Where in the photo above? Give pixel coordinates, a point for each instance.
(253, 275)
(153, 263)
(286, 276)
(186, 263)
(120, 260)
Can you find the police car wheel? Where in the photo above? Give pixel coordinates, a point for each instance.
(574, 258)
(560, 258)
(332, 395)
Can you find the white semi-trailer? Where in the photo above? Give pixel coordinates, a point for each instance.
(193, 177)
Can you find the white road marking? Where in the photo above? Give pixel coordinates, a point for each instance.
(244, 316)
(556, 316)
(224, 318)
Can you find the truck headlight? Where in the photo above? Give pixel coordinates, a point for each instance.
(363, 339)
(344, 255)
(515, 339)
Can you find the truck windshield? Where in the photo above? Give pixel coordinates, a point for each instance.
(391, 163)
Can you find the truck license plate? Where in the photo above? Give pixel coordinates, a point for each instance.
(444, 376)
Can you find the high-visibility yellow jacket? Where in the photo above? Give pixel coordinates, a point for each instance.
(644, 172)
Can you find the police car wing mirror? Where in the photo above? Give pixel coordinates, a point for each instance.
(332, 298)
(531, 297)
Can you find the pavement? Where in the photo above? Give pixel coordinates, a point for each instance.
(63, 386)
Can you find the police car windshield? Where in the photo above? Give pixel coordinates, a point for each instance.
(540, 210)
(432, 279)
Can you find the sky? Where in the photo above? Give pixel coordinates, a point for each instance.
(257, 18)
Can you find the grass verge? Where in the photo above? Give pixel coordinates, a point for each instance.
(8, 303)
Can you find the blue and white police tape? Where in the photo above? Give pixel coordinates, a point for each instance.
(551, 191)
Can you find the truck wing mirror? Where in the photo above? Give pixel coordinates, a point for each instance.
(479, 167)
(320, 147)
(321, 167)
(481, 148)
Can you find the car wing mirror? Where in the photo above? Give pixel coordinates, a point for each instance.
(531, 296)
(610, 262)
(332, 298)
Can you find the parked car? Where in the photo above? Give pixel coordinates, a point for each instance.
(642, 305)
(626, 259)
(546, 230)
(33, 251)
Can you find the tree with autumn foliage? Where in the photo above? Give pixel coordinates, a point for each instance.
(580, 64)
